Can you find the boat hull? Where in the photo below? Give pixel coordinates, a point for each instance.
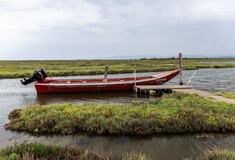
(103, 85)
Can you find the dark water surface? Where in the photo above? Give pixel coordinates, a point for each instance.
(14, 95)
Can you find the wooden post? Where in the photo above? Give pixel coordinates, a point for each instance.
(135, 76)
(181, 67)
(106, 72)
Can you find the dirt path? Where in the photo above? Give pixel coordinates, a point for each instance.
(207, 95)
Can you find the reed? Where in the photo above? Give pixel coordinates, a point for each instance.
(216, 154)
(219, 154)
(135, 156)
(173, 113)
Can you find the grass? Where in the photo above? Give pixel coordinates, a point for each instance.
(19, 69)
(172, 113)
(135, 156)
(220, 154)
(216, 154)
(225, 94)
(38, 151)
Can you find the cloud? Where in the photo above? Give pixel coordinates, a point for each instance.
(39, 15)
(168, 12)
(24, 24)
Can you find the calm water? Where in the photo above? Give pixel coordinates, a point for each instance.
(232, 62)
(14, 95)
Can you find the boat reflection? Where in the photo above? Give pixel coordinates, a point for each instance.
(81, 98)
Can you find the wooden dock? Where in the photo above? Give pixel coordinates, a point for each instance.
(152, 89)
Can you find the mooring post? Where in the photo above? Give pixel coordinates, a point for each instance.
(135, 76)
(181, 67)
(106, 72)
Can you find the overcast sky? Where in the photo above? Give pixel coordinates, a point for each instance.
(74, 29)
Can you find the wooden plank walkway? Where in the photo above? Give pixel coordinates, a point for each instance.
(153, 89)
(148, 88)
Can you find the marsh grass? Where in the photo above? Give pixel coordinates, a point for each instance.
(220, 154)
(216, 154)
(230, 95)
(39, 151)
(173, 113)
(19, 69)
(135, 156)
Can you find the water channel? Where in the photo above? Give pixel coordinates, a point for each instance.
(14, 95)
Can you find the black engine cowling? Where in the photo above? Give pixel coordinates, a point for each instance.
(38, 76)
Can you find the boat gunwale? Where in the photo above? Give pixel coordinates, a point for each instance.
(104, 82)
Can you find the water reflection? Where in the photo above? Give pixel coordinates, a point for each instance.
(99, 98)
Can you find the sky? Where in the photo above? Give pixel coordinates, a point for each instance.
(91, 29)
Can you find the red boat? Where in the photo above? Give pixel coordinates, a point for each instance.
(95, 85)
(44, 85)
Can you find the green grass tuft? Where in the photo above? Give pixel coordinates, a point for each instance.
(135, 156)
(216, 154)
(230, 95)
(219, 154)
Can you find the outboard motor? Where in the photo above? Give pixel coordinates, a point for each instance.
(39, 75)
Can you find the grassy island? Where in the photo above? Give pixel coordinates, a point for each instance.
(172, 113)
(19, 69)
